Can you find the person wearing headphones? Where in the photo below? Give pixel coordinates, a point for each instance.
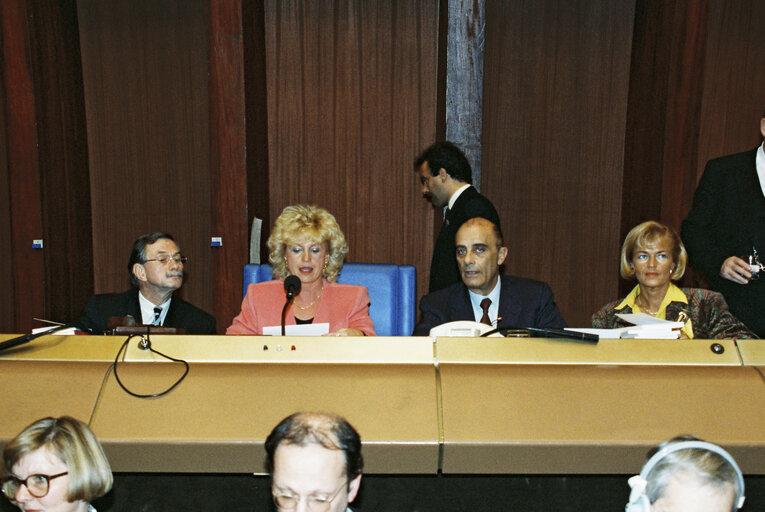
(686, 474)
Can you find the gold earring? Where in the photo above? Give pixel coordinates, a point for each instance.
(326, 265)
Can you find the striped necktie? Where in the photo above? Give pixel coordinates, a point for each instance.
(157, 314)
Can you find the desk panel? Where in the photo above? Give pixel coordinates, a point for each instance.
(540, 418)
(36, 389)
(752, 352)
(491, 405)
(217, 419)
(561, 351)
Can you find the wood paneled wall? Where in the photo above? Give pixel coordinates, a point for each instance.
(351, 102)
(733, 100)
(555, 91)
(145, 72)
(193, 116)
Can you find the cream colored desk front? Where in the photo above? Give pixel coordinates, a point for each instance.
(543, 406)
(237, 390)
(479, 406)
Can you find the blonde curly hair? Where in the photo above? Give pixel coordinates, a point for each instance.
(306, 222)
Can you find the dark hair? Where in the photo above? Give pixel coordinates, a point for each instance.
(138, 252)
(447, 156)
(328, 430)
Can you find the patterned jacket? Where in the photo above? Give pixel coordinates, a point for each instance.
(706, 309)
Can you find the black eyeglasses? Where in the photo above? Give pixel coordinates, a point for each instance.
(38, 485)
(164, 260)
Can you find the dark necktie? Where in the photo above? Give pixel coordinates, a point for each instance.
(485, 303)
(157, 314)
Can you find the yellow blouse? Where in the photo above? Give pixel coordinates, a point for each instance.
(674, 294)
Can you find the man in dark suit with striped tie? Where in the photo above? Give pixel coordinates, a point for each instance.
(446, 180)
(156, 271)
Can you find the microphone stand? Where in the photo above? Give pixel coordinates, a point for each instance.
(20, 340)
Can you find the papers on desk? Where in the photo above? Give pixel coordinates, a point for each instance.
(297, 330)
(645, 327)
(65, 332)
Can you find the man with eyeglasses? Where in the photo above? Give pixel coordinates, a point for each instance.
(156, 271)
(315, 463)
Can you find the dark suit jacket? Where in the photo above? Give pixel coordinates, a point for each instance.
(181, 313)
(727, 219)
(443, 266)
(522, 303)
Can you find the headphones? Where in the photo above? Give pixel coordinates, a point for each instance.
(639, 499)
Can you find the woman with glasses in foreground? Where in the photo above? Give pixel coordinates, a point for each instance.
(55, 464)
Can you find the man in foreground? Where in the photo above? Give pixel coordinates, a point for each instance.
(315, 463)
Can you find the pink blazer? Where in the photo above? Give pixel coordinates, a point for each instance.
(342, 305)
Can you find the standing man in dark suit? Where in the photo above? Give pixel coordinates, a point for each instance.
(314, 458)
(726, 226)
(446, 180)
(156, 270)
(483, 295)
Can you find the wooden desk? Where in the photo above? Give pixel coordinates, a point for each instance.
(543, 406)
(234, 394)
(457, 405)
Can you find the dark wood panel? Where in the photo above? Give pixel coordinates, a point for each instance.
(25, 275)
(733, 95)
(555, 101)
(646, 117)
(7, 299)
(227, 158)
(145, 72)
(683, 111)
(256, 108)
(63, 158)
(351, 101)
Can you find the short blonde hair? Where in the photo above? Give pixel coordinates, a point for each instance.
(311, 222)
(69, 439)
(647, 234)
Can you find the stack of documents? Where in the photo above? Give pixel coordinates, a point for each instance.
(644, 327)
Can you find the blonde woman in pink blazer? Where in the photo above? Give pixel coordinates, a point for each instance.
(306, 242)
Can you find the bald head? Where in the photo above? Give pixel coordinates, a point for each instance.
(479, 253)
(326, 430)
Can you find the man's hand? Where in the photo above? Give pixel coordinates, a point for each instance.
(735, 269)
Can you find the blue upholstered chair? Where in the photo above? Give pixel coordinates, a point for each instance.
(391, 292)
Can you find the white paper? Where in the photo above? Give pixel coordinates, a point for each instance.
(69, 331)
(297, 330)
(648, 320)
(605, 334)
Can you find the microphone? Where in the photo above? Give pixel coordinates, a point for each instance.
(549, 333)
(292, 286)
(20, 340)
